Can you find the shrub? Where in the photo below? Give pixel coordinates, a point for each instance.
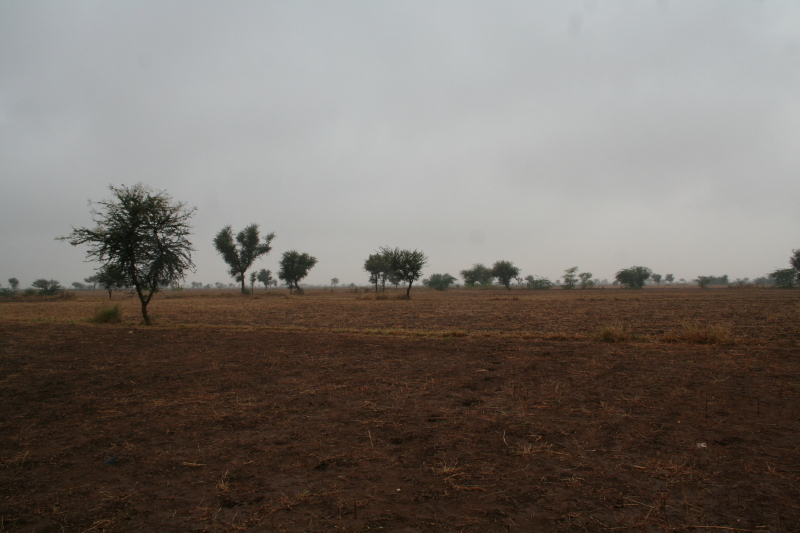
(107, 315)
(440, 282)
(539, 283)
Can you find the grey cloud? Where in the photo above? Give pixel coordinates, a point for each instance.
(565, 132)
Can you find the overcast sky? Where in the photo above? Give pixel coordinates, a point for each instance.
(551, 134)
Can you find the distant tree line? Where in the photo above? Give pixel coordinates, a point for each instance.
(140, 239)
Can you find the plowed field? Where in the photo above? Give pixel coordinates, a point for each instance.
(460, 411)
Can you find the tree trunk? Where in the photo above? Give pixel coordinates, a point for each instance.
(144, 301)
(109, 293)
(244, 290)
(408, 290)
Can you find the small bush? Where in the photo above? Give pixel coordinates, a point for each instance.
(612, 333)
(107, 315)
(721, 334)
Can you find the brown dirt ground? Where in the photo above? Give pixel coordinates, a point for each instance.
(461, 411)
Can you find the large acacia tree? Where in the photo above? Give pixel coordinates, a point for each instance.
(142, 235)
(479, 274)
(405, 265)
(241, 253)
(294, 267)
(505, 271)
(633, 277)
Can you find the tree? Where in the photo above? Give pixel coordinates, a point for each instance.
(440, 282)
(265, 277)
(334, 282)
(704, 281)
(253, 278)
(405, 265)
(785, 278)
(378, 267)
(477, 275)
(241, 257)
(142, 234)
(586, 280)
(294, 267)
(91, 280)
(633, 277)
(48, 287)
(394, 280)
(656, 278)
(794, 260)
(78, 286)
(13, 283)
(111, 278)
(505, 271)
(570, 278)
(669, 278)
(538, 283)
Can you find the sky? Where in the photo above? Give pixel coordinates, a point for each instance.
(551, 133)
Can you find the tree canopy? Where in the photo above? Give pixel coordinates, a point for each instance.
(633, 277)
(110, 278)
(570, 278)
(265, 277)
(784, 278)
(505, 272)
(241, 253)
(144, 235)
(479, 274)
(48, 287)
(405, 265)
(440, 282)
(794, 260)
(294, 267)
(379, 269)
(538, 283)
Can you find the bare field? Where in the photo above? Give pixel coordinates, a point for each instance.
(459, 411)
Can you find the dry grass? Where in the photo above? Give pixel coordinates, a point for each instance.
(107, 315)
(612, 333)
(695, 333)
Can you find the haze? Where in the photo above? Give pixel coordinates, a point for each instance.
(550, 134)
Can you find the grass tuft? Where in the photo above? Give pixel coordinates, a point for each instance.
(107, 315)
(612, 333)
(721, 334)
